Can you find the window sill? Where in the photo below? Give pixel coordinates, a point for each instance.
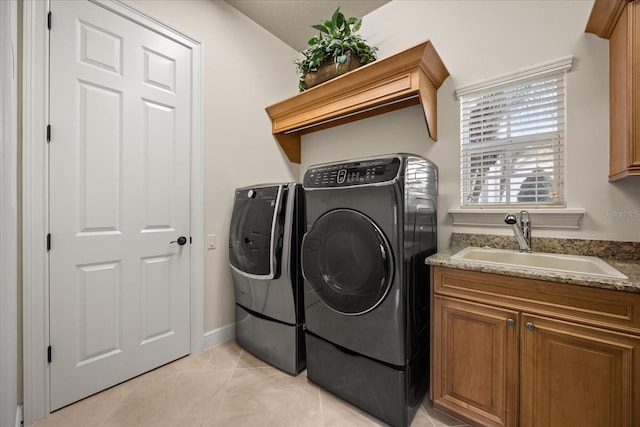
(540, 217)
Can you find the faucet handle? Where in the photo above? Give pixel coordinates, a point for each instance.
(524, 217)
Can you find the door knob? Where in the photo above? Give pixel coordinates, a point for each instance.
(181, 241)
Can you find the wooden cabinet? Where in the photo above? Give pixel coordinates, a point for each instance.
(619, 21)
(576, 375)
(476, 361)
(518, 352)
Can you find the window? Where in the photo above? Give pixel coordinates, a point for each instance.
(512, 139)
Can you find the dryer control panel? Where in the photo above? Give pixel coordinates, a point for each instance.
(352, 173)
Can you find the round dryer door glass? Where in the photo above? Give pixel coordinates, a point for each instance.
(347, 261)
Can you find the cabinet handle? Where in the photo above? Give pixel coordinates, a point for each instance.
(530, 326)
(511, 322)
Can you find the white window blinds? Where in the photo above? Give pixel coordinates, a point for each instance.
(512, 141)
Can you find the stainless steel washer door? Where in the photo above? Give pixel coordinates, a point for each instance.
(347, 261)
(255, 235)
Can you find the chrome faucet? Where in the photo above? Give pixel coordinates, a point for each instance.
(521, 228)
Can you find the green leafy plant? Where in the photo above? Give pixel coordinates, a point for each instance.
(336, 37)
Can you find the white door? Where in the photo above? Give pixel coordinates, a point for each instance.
(119, 196)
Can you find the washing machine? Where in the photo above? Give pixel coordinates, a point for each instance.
(370, 225)
(267, 225)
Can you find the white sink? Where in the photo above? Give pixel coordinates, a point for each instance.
(575, 264)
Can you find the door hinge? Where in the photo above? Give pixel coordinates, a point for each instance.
(48, 242)
(48, 133)
(49, 354)
(49, 20)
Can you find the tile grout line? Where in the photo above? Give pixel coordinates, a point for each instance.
(321, 405)
(227, 383)
(422, 408)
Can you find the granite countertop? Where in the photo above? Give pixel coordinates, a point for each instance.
(626, 262)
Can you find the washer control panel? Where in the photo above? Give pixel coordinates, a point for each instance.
(352, 173)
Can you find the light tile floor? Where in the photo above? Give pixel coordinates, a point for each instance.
(222, 386)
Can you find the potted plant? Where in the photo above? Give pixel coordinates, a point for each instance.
(336, 50)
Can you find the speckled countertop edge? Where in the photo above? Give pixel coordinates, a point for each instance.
(630, 268)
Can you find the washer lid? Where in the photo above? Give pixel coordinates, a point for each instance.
(347, 261)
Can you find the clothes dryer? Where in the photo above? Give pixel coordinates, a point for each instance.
(267, 225)
(371, 223)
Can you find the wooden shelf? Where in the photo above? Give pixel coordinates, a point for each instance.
(408, 78)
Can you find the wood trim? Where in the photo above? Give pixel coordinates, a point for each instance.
(604, 17)
(9, 231)
(34, 212)
(381, 86)
(219, 336)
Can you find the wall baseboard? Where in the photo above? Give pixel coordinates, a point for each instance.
(18, 416)
(218, 336)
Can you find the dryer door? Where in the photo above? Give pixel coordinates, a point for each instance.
(347, 261)
(255, 244)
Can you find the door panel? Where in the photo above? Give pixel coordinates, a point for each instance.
(157, 164)
(475, 361)
(601, 367)
(100, 129)
(119, 194)
(99, 288)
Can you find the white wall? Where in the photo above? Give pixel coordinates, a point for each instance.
(482, 39)
(245, 69)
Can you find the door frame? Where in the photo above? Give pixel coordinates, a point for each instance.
(36, 198)
(9, 211)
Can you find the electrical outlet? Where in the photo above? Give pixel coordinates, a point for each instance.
(211, 241)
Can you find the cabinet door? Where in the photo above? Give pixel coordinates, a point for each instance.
(575, 375)
(634, 144)
(624, 63)
(475, 366)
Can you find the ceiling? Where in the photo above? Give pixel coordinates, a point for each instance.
(291, 20)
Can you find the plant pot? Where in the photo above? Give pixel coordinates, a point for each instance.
(329, 70)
